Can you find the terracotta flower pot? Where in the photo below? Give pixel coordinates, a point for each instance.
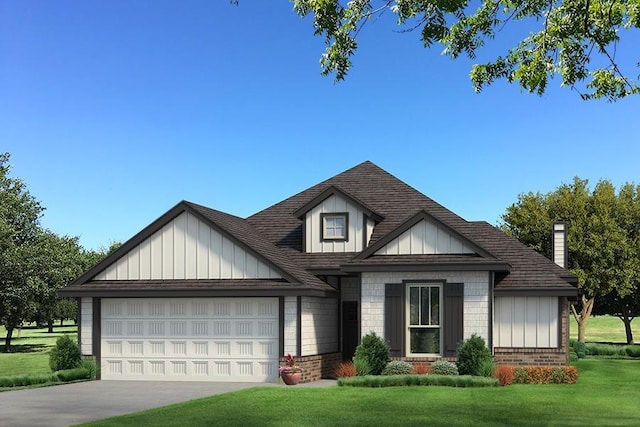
(291, 378)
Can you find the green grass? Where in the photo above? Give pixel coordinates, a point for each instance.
(30, 352)
(606, 394)
(608, 329)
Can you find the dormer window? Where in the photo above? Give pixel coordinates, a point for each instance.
(335, 226)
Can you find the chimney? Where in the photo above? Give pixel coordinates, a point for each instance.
(559, 250)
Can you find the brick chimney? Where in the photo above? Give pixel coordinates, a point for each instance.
(559, 250)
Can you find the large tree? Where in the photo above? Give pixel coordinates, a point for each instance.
(575, 39)
(19, 226)
(602, 237)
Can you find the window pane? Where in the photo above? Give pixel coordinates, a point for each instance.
(424, 318)
(425, 340)
(339, 221)
(414, 306)
(435, 305)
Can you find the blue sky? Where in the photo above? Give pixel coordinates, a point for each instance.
(115, 111)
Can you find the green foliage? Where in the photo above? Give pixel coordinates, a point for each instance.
(362, 366)
(398, 367)
(574, 39)
(520, 375)
(65, 355)
(472, 353)
(581, 350)
(73, 374)
(573, 357)
(417, 380)
(595, 349)
(375, 351)
(89, 364)
(487, 368)
(632, 351)
(444, 367)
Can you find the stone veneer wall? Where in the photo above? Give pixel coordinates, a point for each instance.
(476, 298)
(317, 366)
(539, 356)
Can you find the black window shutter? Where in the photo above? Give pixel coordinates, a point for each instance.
(394, 329)
(453, 317)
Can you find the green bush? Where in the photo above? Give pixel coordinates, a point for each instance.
(417, 380)
(632, 351)
(73, 374)
(472, 353)
(89, 365)
(444, 367)
(375, 351)
(595, 349)
(65, 355)
(573, 357)
(487, 368)
(581, 349)
(520, 375)
(362, 366)
(398, 367)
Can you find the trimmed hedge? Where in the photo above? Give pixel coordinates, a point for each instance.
(417, 380)
(536, 374)
(52, 378)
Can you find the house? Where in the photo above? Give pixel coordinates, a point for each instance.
(200, 294)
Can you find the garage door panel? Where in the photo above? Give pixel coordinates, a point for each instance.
(197, 339)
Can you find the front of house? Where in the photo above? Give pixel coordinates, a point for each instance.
(201, 295)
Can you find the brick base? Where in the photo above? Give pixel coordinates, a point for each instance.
(531, 356)
(317, 366)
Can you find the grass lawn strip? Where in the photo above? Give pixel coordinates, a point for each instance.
(30, 352)
(606, 394)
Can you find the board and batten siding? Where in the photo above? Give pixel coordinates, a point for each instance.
(86, 326)
(187, 248)
(526, 322)
(336, 204)
(319, 322)
(425, 238)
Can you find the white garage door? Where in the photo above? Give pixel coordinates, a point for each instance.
(189, 339)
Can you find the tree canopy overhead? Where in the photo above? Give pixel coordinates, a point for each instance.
(575, 39)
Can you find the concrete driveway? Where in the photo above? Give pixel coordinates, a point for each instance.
(68, 404)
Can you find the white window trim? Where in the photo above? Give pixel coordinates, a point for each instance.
(407, 320)
(323, 223)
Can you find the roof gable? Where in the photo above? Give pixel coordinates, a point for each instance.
(335, 191)
(423, 234)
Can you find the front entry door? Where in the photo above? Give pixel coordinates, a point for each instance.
(350, 330)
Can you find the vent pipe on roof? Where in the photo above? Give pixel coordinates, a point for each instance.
(559, 241)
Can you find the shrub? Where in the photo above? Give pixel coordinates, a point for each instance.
(596, 349)
(504, 374)
(539, 374)
(558, 375)
(73, 374)
(573, 357)
(65, 355)
(520, 375)
(487, 368)
(444, 367)
(417, 380)
(89, 365)
(571, 374)
(398, 367)
(362, 366)
(632, 351)
(581, 350)
(421, 368)
(472, 353)
(345, 369)
(375, 351)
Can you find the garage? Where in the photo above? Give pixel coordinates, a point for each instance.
(189, 339)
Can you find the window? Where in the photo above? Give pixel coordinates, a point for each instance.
(424, 318)
(335, 226)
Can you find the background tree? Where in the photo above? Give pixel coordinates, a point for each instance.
(575, 39)
(602, 241)
(19, 225)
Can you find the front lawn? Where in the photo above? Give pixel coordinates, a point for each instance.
(606, 394)
(30, 351)
(605, 329)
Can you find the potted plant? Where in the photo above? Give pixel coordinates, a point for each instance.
(291, 372)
